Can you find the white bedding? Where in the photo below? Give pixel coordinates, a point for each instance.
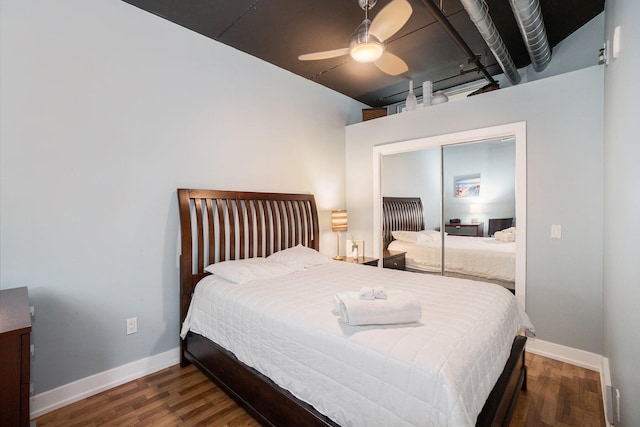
(484, 257)
(437, 372)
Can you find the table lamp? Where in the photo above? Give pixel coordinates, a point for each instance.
(339, 223)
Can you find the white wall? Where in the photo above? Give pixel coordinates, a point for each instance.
(105, 110)
(564, 186)
(622, 208)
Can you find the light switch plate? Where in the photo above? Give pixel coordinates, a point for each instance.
(556, 231)
(616, 42)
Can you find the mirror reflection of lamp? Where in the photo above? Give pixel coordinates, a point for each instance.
(339, 223)
(475, 209)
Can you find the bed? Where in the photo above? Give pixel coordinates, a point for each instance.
(218, 226)
(483, 258)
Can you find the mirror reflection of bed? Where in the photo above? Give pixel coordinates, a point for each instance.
(468, 190)
(489, 259)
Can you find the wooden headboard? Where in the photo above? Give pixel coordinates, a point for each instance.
(227, 225)
(400, 213)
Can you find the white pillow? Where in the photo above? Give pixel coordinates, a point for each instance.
(505, 236)
(245, 270)
(432, 234)
(410, 236)
(299, 257)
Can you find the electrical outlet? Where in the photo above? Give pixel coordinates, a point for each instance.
(132, 325)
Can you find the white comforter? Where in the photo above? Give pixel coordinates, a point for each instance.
(437, 372)
(477, 256)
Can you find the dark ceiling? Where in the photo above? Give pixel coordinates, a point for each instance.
(277, 31)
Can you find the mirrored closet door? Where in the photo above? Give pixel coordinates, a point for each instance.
(479, 210)
(451, 204)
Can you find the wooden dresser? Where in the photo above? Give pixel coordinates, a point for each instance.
(15, 357)
(473, 230)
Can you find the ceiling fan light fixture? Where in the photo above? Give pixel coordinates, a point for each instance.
(364, 46)
(367, 51)
(367, 42)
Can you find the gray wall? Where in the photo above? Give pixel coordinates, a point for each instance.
(105, 111)
(622, 209)
(564, 179)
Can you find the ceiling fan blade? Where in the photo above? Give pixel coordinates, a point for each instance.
(324, 55)
(390, 19)
(391, 64)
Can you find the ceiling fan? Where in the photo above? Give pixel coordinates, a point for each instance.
(368, 40)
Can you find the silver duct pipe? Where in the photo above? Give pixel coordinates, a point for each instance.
(529, 18)
(479, 13)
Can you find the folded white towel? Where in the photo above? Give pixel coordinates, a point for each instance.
(379, 292)
(366, 293)
(399, 307)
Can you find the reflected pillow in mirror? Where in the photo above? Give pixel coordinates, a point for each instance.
(410, 236)
(432, 234)
(505, 236)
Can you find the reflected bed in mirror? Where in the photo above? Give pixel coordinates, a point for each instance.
(488, 259)
(427, 168)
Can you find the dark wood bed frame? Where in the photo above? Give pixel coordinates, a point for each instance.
(400, 213)
(227, 225)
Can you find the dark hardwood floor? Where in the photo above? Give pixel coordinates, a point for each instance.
(558, 395)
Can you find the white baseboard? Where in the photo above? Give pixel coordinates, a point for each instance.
(51, 400)
(581, 358)
(605, 381)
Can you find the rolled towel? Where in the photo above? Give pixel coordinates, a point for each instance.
(399, 308)
(379, 292)
(366, 293)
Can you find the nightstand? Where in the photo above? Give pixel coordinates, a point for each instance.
(363, 261)
(394, 259)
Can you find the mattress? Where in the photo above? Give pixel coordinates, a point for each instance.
(438, 372)
(483, 257)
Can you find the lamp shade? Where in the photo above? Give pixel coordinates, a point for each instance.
(339, 220)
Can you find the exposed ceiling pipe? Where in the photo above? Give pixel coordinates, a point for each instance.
(472, 57)
(479, 13)
(529, 17)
